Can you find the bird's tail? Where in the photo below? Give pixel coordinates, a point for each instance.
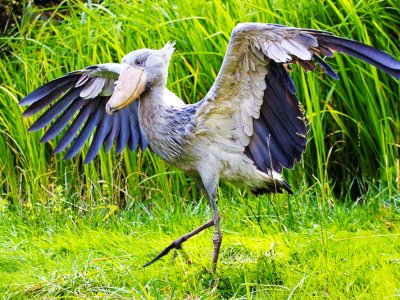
(274, 186)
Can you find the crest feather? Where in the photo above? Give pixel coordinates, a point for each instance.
(169, 48)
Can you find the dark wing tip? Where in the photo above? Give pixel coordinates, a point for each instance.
(286, 186)
(274, 187)
(327, 68)
(50, 87)
(369, 54)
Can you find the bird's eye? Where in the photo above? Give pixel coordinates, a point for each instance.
(139, 62)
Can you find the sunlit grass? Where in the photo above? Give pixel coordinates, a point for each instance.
(73, 230)
(268, 251)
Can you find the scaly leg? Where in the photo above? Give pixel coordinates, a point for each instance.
(210, 179)
(217, 238)
(177, 244)
(210, 182)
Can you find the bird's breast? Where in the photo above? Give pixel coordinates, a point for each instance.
(165, 137)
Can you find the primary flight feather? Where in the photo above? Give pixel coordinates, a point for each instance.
(247, 128)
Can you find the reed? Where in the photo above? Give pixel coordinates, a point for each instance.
(352, 156)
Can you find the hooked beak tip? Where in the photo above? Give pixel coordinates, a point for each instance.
(110, 110)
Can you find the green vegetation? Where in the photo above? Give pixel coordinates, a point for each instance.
(270, 250)
(74, 230)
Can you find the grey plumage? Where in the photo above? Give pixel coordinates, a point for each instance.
(248, 127)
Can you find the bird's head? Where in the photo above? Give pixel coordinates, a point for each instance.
(141, 69)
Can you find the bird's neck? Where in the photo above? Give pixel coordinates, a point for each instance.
(151, 107)
(153, 100)
(163, 124)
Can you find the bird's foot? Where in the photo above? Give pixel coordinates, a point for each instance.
(177, 244)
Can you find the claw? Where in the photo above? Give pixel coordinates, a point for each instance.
(177, 244)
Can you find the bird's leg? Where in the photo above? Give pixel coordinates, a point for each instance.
(211, 186)
(210, 182)
(177, 244)
(217, 238)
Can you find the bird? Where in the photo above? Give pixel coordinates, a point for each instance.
(246, 129)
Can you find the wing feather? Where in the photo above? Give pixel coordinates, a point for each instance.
(115, 131)
(62, 121)
(93, 88)
(134, 138)
(98, 139)
(54, 111)
(91, 122)
(77, 102)
(123, 136)
(40, 104)
(45, 90)
(73, 130)
(255, 97)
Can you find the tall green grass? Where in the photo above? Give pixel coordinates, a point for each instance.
(354, 135)
(277, 247)
(74, 230)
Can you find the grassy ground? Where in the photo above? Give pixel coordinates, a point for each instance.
(270, 249)
(69, 230)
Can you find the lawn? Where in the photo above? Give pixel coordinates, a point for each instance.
(69, 230)
(269, 251)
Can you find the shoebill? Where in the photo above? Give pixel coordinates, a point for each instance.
(245, 130)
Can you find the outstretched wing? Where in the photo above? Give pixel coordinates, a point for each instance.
(252, 104)
(77, 101)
